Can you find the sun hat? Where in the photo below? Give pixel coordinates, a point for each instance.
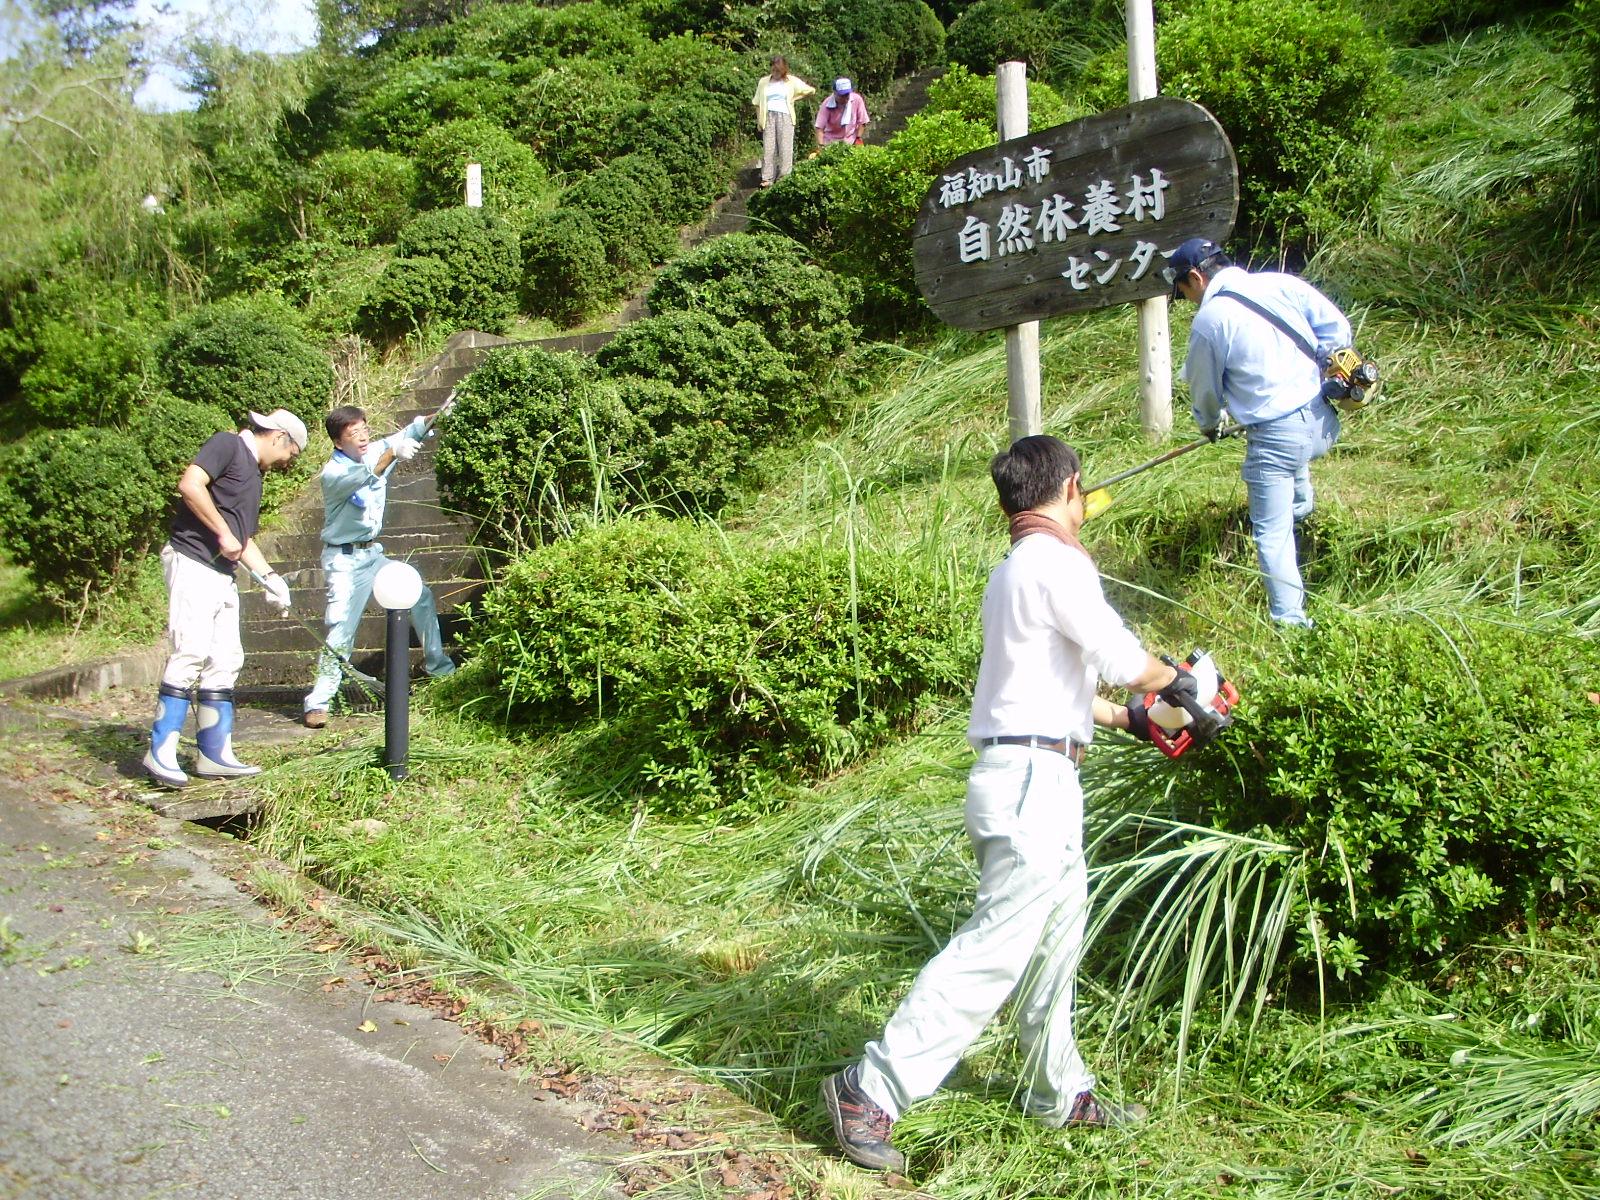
(284, 420)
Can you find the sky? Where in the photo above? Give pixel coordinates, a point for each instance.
(276, 25)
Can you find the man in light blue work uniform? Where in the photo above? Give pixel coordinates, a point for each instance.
(355, 487)
(1257, 348)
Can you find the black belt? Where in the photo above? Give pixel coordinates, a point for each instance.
(1073, 750)
(350, 547)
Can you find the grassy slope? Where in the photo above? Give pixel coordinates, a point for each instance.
(765, 954)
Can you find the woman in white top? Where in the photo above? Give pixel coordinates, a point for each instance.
(774, 103)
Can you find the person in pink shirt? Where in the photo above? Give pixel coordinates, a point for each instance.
(842, 117)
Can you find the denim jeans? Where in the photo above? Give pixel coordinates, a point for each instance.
(349, 581)
(1277, 475)
(1025, 820)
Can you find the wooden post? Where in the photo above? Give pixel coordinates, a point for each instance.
(1155, 338)
(474, 185)
(1022, 341)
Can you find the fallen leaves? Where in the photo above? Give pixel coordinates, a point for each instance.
(368, 1026)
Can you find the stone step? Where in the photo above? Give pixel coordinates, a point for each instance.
(307, 585)
(575, 343)
(284, 633)
(294, 669)
(305, 549)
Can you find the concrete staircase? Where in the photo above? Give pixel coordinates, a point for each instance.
(280, 655)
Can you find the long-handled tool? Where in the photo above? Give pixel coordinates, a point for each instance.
(361, 677)
(1093, 507)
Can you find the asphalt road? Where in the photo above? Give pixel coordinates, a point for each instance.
(162, 1037)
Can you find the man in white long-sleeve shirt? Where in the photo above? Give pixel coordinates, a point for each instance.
(1257, 348)
(1048, 637)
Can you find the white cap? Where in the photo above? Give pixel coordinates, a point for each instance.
(841, 85)
(282, 418)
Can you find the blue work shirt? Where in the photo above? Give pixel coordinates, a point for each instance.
(353, 495)
(1240, 361)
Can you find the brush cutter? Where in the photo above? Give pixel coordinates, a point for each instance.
(361, 677)
(1096, 499)
(1193, 709)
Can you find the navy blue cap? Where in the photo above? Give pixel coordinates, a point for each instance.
(1194, 253)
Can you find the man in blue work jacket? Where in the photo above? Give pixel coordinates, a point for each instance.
(1257, 348)
(355, 487)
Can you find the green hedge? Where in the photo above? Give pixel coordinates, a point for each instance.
(764, 397)
(171, 430)
(721, 668)
(872, 41)
(470, 284)
(1442, 779)
(989, 32)
(565, 275)
(534, 445)
(362, 197)
(515, 182)
(77, 508)
(240, 358)
(624, 199)
(765, 279)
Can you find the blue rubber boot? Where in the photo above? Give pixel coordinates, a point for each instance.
(161, 760)
(215, 736)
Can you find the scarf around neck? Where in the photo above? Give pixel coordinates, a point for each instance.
(1029, 522)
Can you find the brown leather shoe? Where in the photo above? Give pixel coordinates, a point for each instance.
(316, 718)
(861, 1127)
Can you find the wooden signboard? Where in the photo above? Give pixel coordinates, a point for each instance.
(1073, 217)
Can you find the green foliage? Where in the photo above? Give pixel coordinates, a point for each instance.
(473, 285)
(730, 669)
(1586, 100)
(571, 112)
(171, 430)
(624, 199)
(1441, 779)
(78, 507)
(872, 42)
(765, 279)
(240, 358)
(800, 205)
(533, 440)
(689, 139)
(972, 96)
(763, 396)
(406, 297)
(514, 180)
(565, 275)
(362, 197)
(1301, 90)
(689, 459)
(410, 97)
(989, 32)
(877, 192)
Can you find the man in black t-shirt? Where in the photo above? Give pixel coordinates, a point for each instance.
(213, 531)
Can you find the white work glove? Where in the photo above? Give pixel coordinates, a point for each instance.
(277, 591)
(406, 447)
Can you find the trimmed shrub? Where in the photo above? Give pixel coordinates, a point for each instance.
(84, 372)
(571, 113)
(362, 197)
(664, 18)
(972, 96)
(474, 285)
(514, 180)
(565, 275)
(79, 506)
(765, 279)
(763, 397)
(623, 199)
(405, 297)
(691, 458)
(689, 139)
(170, 430)
(800, 205)
(239, 357)
(1300, 89)
(411, 96)
(534, 442)
(1440, 784)
(872, 42)
(732, 669)
(877, 192)
(990, 32)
